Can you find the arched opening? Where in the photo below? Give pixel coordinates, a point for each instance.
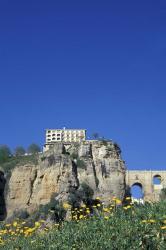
(137, 191)
(2, 199)
(157, 180)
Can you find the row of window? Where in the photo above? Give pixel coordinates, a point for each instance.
(67, 132)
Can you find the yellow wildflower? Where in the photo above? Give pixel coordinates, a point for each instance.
(37, 224)
(8, 225)
(152, 221)
(15, 223)
(105, 209)
(144, 221)
(118, 201)
(66, 205)
(163, 227)
(106, 217)
(128, 206)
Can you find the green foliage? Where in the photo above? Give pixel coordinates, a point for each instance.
(33, 149)
(5, 153)
(19, 151)
(163, 194)
(95, 136)
(52, 210)
(84, 193)
(123, 230)
(13, 161)
(87, 191)
(81, 164)
(74, 155)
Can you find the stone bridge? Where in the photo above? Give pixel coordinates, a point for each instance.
(145, 179)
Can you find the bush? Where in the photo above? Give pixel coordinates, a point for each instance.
(53, 210)
(33, 149)
(13, 162)
(84, 193)
(163, 194)
(5, 153)
(19, 151)
(74, 156)
(81, 164)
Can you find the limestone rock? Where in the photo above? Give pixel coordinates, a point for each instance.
(57, 173)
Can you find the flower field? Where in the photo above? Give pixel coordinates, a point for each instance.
(115, 226)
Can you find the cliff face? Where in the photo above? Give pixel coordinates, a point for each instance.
(64, 168)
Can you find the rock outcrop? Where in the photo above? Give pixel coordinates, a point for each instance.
(63, 169)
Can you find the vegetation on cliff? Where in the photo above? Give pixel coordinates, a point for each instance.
(113, 226)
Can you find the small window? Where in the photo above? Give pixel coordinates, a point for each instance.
(157, 180)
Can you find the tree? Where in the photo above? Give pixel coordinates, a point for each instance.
(19, 151)
(5, 153)
(95, 136)
(33, 149)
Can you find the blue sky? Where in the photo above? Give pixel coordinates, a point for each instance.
(99, 65)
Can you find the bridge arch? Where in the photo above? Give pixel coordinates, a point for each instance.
(151, 189)
(137, 190)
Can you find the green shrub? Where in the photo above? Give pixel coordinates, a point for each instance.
(125, 229)
(14, 161)
(163, 194)
(5, 153)
(81, 164)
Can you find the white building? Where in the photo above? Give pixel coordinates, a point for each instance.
(64, 135)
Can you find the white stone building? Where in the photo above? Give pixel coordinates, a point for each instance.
(64, 135)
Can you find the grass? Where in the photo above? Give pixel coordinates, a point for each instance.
(112, 227)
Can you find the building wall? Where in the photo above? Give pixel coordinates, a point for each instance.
(145, 179)
(64, 135)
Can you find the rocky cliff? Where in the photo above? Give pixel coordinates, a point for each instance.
(62, 169)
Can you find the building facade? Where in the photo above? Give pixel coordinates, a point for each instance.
(64, 135)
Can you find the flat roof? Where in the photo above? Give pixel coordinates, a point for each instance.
(65, 129)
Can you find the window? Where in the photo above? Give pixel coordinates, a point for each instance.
(157, 180)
